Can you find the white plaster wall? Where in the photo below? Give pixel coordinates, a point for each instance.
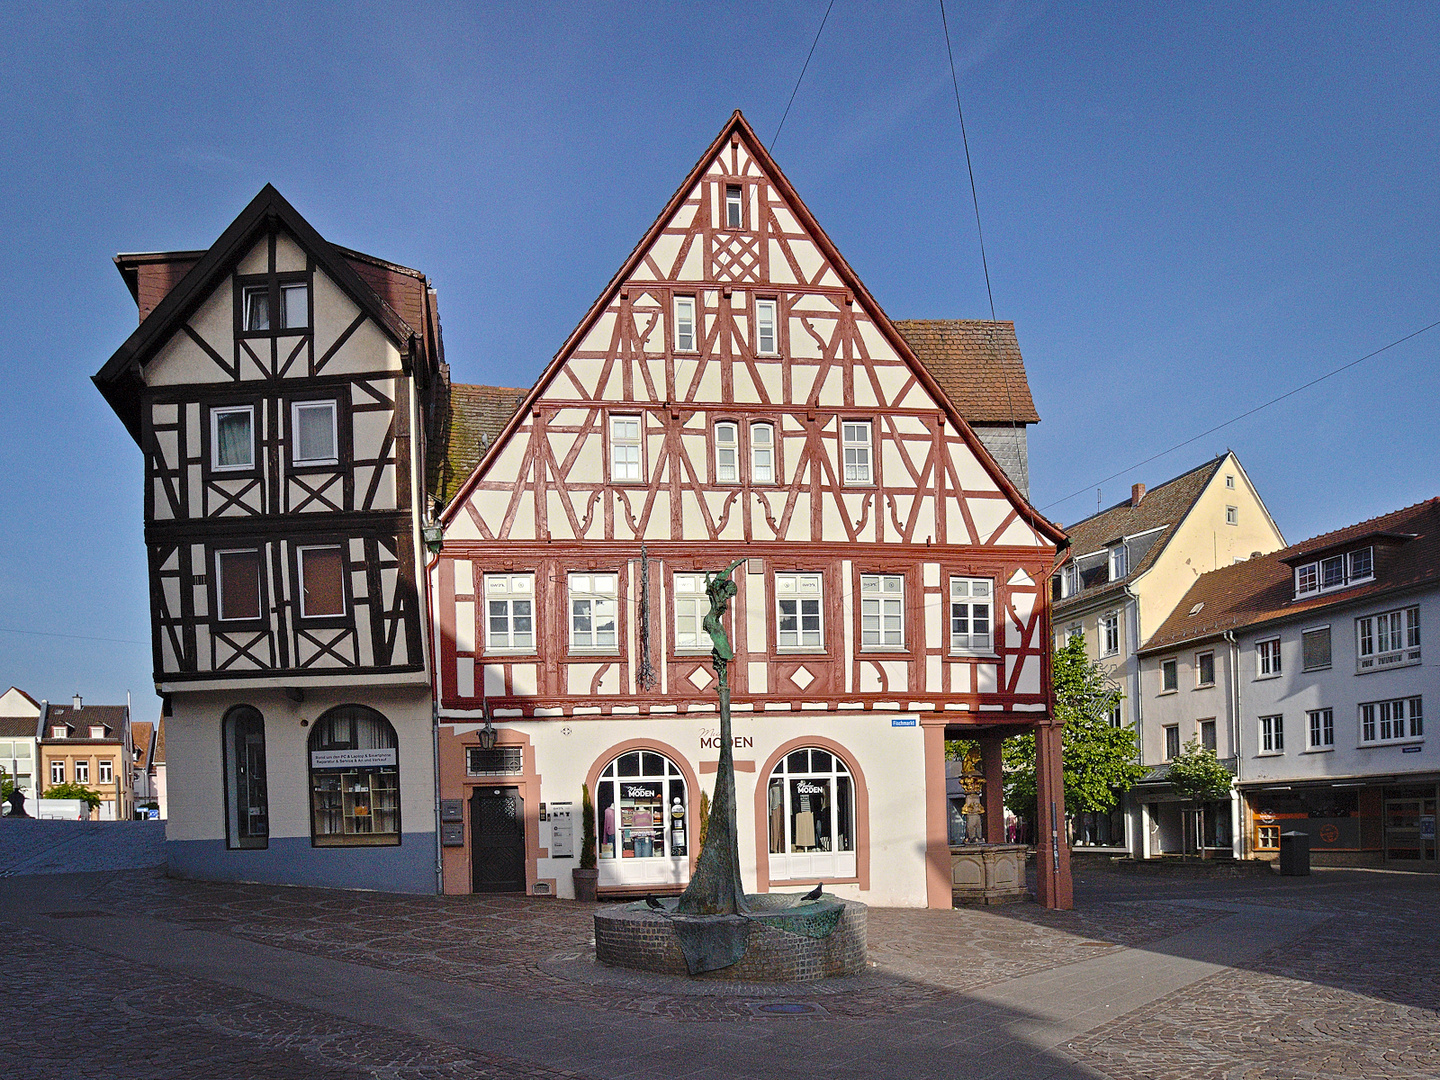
(891, 759)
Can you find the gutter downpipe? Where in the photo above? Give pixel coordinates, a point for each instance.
(435, 720)
(1238, 813)
(1144, 839)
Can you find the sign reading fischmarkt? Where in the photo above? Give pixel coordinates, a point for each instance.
(352, 759)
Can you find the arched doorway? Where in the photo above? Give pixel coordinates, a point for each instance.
(247, 802)
(810, 802)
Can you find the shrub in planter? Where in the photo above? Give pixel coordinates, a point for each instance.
(586, 874)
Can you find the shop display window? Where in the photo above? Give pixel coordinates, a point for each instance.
(642, 808)
(354, 779)
(811, 801)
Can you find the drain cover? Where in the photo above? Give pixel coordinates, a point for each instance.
(786, 1008)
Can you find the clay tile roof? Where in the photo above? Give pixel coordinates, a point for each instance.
(81, 720)
(1407, 555)
(973, 360)
(141, 732)
(158, 757)
(474, 417)
(18, 727)
(1164, 506)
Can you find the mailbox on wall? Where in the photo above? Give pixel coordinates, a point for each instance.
(452, 810)
(562, 830)
(452, 834)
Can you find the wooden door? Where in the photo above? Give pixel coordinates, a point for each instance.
(497, 840)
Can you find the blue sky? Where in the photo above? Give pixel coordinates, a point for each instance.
(1188, 209)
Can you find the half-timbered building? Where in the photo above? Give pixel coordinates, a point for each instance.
(736, 393)
(280, 389)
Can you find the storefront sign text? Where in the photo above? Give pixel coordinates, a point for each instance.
(639, 791)
(710, 740)
(804, 787)
(352, 759)
(902, 721)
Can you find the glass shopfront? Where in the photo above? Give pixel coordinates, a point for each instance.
(643, 811)
(811, 801)
(354, 779)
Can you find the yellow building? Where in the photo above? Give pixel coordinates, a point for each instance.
(88, 745)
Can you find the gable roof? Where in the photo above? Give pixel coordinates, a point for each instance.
(142, 734)
(738, 128)
(81, 720)
(978, 364)
(157, 755)
(19, 727)
(16, 690)
(1161, 508)
(470, 426)
(1262, 589)
(120, 381)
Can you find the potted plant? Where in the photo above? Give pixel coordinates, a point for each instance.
(586, 874)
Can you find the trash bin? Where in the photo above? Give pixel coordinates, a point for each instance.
(1295, 854)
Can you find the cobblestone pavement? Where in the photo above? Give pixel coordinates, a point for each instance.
(1358, 995)
(31, 846)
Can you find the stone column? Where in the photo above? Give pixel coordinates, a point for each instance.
(990, 765)
(1053, 886)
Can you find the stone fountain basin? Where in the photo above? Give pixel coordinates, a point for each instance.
(784, 944)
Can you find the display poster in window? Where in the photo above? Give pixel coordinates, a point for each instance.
(352, 759)
(1427, 826)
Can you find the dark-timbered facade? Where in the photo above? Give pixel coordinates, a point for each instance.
(281, 390)
(736, 393)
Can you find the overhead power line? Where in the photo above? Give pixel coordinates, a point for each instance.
(73, 637)
(803, 69)
(1247, 412)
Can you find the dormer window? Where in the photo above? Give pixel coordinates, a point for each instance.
(1335, 572)
(1118, 562)
(59, 731)
(1070, 580)
(97, 731)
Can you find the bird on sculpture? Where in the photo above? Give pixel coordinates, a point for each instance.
(653, 904)
(814, 894)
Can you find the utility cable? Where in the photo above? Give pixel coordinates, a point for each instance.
(798, 81)
(73, 637)
(1247, 412)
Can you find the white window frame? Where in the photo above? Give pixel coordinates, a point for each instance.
(882, 612)
(1110, 633)
(727, 452)
(1319, 730)
(1069, 580)
(220, 585)
(1172, 734)
(1392, 721)
(215, 415)
(1229, 481)
(287, 290)
(595, 597)
(857, 456)
(1267, 659)
(763, 473)
(106, 771)
(247, 294)
(508, 591)
(1232, 515)
(767, 320)
(1199, 669)
(1398, 630)
(1119, 564)
(692, 604)
(798, 590)
(1310, 577)
(1169, 676)
(57, 770)
(300, 572)
(296, 408)
(685, 324)
(1272, 735)
(975, 643)
(734, 198)
(620, 464)
(82, 770)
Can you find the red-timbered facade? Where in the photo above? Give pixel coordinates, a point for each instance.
(280, 388)
(736, 393)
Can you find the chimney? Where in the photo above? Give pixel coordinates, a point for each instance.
(77, 703)
(1137, 492)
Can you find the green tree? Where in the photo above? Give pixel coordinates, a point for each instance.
(71, 790)
(1198, 775)
(6, 784)
(1099, 760)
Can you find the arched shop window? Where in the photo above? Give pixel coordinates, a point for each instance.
(811, 801)
(247, 803)
(354, 779)
(642, 808)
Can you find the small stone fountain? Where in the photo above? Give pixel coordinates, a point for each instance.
(715, 926)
